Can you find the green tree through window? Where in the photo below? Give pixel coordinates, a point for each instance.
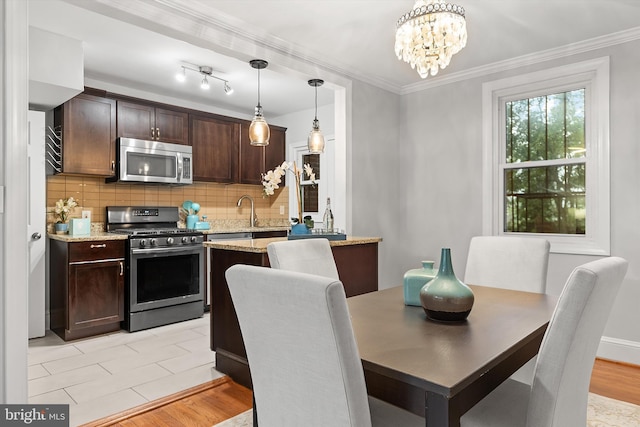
(544, 175)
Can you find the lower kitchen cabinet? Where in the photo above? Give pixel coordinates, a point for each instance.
(86, 287)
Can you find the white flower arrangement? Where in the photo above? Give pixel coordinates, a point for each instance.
(272, 179)
(63, 208)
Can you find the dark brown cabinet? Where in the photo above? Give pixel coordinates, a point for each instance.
(91, 124)
(215, 148)
(87, 287)
(254, 161)
(87, 127)
(142, 121)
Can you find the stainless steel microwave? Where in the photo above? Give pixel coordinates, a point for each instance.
(138, 160)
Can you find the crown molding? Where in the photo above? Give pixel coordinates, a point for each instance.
(527, 60)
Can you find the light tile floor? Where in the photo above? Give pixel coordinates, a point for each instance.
(107, 374)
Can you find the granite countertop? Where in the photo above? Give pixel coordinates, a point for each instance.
(260, 245)
(95, 235)
(241, 229)
(103, 235)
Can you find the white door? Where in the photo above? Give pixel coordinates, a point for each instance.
(36, 223)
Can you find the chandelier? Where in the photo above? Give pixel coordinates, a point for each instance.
(429, 35)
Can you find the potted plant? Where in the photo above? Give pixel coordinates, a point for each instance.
(61, 213)
(271, 181)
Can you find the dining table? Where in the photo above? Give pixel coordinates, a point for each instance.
(439, 370)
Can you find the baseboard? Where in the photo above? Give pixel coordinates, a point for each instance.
(619, 350)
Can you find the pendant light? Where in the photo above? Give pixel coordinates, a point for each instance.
(315, 142)
(259, 129)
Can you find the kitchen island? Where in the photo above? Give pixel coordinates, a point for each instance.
(357, 263)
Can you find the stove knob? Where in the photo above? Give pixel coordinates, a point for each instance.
(170, 240)
(194, 239)
(153, 242)
(143, 243)
(185, 239)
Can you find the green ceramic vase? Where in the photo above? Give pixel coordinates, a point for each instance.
(445, 298)
(414, 280)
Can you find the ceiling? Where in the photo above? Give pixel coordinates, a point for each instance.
(140, 44)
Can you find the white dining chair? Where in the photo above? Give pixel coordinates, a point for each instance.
(312, 256)
(509, 262)
(559, 392)
(302, 354)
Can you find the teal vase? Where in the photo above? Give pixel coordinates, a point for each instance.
(445, 298)
(414, 280)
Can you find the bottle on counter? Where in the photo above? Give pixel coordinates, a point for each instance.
(327, 219)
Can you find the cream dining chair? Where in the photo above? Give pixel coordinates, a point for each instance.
(507, 262)
(312, 256)
(559, 392)
(304, 360)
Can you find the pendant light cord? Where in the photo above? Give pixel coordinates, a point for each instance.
(316, 114)
(259, 88)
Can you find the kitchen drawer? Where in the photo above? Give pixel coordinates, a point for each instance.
(96, 250)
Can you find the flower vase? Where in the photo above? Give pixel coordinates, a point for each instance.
(445, 298)
(414, 280)
(300, 229)
(61, 227)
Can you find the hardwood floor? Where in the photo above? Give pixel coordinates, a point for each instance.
(200, 406)
(616, 380)
(221, 399)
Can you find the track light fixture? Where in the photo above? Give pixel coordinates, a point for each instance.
(205, 71)
(259, 129)
(315, 142)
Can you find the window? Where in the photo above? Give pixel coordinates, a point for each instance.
(310, 189)
(546, 154)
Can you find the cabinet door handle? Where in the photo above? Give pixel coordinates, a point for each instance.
(104, 245)
(113, 166)
(121, 268)
(153, 130)
(157, 133)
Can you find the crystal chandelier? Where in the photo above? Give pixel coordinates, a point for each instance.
(429, 35)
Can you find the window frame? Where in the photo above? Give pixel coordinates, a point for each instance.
(593, 75)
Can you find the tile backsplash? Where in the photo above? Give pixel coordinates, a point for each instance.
(217, 201)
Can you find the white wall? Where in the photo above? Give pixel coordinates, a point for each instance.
(299, 124)
(441, 176)
(377, 187)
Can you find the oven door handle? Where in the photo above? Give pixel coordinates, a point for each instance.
(182, 249)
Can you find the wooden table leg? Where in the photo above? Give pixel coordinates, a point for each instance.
(440, 412)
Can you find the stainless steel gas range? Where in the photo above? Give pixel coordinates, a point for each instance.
(164, 263)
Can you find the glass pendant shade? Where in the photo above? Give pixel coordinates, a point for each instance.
(259, 132)
(315, 142)
(430, 34)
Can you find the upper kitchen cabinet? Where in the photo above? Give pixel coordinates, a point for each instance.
(254, 161)
(215, 148)
(149, 122)
(85, 136)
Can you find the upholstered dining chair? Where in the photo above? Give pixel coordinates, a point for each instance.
(559, 393)
(509, 262)
(304, 361)
(312, 256)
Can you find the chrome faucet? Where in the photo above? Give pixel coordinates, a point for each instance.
(253, 220)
